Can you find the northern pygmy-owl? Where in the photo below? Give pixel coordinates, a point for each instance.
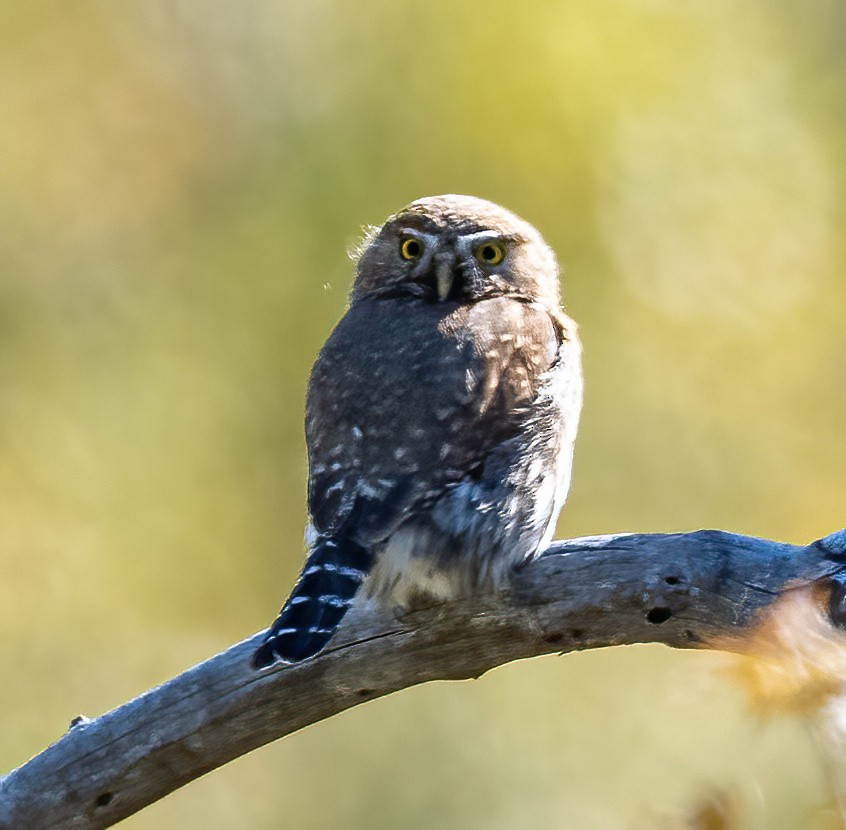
(440, 419)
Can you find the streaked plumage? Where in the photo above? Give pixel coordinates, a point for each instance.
(440, 419)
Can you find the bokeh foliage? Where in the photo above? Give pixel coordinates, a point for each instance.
(179, 185)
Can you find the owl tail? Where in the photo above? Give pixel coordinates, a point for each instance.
(330, 579)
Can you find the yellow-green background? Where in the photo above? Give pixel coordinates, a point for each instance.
(179, 185)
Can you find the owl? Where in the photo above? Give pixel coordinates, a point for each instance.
(440, 420)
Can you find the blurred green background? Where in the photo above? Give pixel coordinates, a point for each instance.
(179, 185)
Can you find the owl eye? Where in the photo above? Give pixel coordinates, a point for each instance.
(490, 253)
(411, 248)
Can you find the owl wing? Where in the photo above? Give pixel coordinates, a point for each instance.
(409, 400)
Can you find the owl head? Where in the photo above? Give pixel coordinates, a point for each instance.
(456, 249)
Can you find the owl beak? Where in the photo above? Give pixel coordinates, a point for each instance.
(444, 276)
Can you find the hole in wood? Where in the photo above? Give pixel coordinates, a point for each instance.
(658, 615)
(104, 799)
(671, 580)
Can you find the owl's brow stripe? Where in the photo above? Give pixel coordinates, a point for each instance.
(416, 232)
(492, 234)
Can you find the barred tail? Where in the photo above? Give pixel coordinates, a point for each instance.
(332, 574)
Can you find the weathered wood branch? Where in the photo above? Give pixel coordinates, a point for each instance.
(690, 590)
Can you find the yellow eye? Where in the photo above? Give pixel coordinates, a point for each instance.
(411, 248)
(490, 253)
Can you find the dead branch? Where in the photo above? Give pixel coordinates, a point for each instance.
(687, 590)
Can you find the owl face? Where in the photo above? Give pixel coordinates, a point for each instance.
(457, 249)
